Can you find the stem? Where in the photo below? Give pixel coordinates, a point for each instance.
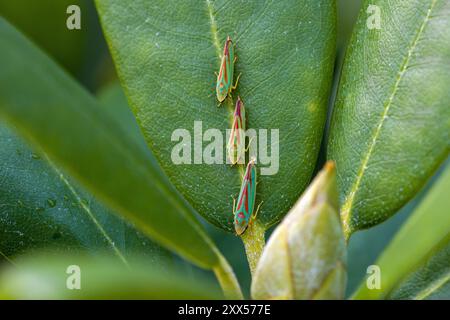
(227, 280)
(253, 239)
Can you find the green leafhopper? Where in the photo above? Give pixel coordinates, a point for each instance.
(236, 142)
(224, 84)
(243, 209)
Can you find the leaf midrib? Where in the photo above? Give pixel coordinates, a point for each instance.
(432, 287)
(347, 206)
(216, 42)
(88, 211)
(213, 23)
(7, 258)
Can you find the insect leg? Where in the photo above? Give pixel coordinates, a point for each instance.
(234, 204)
(237, 81)
(257, 210)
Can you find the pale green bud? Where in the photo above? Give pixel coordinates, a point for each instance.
(305, 257)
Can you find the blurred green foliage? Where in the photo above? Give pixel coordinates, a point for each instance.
(42, 208)
(415, 264)
(49, 276)
(83, 53)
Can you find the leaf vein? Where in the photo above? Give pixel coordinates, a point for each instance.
(88, 211)
(432, 288)
(349, 201)
(7, 258)
(212, 21)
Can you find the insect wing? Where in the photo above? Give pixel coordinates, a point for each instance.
(236, 142)
(251, 186)
(246, 199)
(229, 62)
(225, 76)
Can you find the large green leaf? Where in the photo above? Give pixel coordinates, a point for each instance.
(415, 265)
(391, 122)
(50, 109)
(47, 276)
(166, 53)
(40, 207)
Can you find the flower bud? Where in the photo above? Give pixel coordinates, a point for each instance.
(305, 257)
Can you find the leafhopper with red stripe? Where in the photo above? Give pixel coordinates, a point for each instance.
(224, 84)
(243, 208)
(236, 143)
